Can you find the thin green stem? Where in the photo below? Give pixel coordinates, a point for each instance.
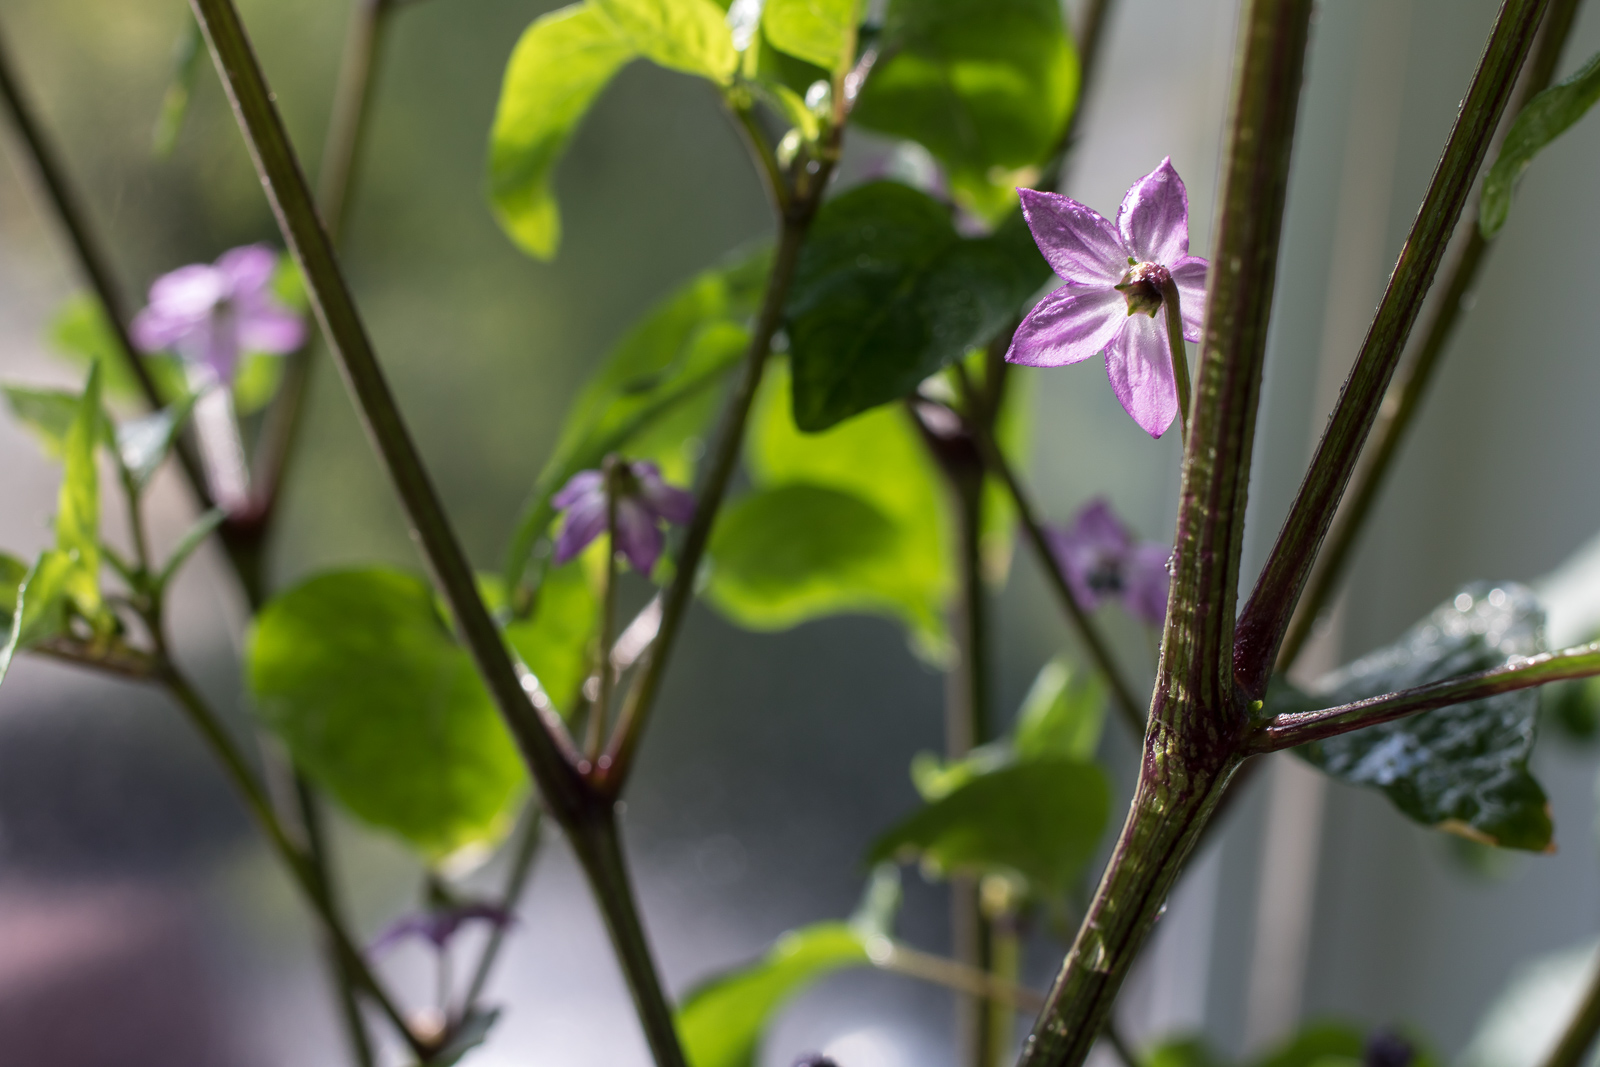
(1578, 1038)
(1404, 397)
(1130, 710)
(1299, 728)
(1266, 616)
(1180, 352)
(1195, 738)
(896, 958)
(526, 848)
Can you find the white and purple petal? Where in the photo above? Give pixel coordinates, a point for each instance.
(272, 330)
(586, 520)
(1189, 275)
(248, 269)
(1069, 325)
(1154, 217)
(1139, 365)
(580, 485)
(1079, 243)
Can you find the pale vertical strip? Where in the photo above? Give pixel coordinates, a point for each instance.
(1291, 840)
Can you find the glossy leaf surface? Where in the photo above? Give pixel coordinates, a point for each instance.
(1463, 768)
(359, 675)
(886, 293)
(1040, 819)
(1546, 117)
(560, 64)
(721, 1022)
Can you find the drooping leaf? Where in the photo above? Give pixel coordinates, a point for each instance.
(886, 293)
(78, 502)
(1041, 820)
(39, 611)
(787, 554)
(555, 639)
(878, 459)
(687, 35)
(1546, 117)
(558, 67)
(822, 32)
(361, 678)
(1523, 1025)
(721, 1022)
(987, 86)
(143, 443)
(1062, 715)
(653, 394)
(1463, 768)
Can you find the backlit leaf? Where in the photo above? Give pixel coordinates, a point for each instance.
(1062, 715)
(555, 639)
(1546, 117)
(78, 502)
(687, 35)
(818, 31)
(39, 610)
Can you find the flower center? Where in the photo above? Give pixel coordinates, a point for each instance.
(1142, 286)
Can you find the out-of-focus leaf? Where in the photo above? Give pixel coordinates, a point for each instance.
(1463, 768)
(1041, 820)
(12, 572)
(1573, 708)
(784, 555)
(986, 85)
(721, 1022)
(886, 293)
(878, 459)
(78, 502)
(1522, 1026)
(467, 1035)
(687, 35)
(818, 31)
(47, 413)
(192, 539)
(558, 67)
(1546, 117)
(361, 678)
(1184, 1051)
(654, 392)
(79, 331)
(39, 611)
(1062, 715)
(1319, 1045)
(187, 59)
(555, 639)
(257, 382)
(143, 443)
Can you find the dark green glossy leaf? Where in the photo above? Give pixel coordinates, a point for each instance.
(986, 85)
(878, 459)
(721, 1022)
(1546, 117)
(556, 70)
(654, 393)
(1464, 768)
(886, 293)
(687, 35)
(784, 555)
(822, 32)
(1041, 820)
(359, 675)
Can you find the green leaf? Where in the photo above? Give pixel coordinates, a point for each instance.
(12, 573)
(784, 555)
(878, 459)
(465, 1036)
(822, 32)
(556, 70)
(555, 640)
(1319, 1045)
(987, 86)
(1041, 820)
(1546, 117)
(191, 540)
(81, 332)
(687, 35)
(1522, 1026)
(47, 413)
(887, 293)
(143, 443)
(39, 610)
(361, 678)
(654, 393)
(1062, 715)
(78, 502)
(1463, 768)
(1183, 1051)
(188, 57)
(721, 1021)
(257, 382)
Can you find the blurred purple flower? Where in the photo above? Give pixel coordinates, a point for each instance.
(1111, 301)
(211, 314)
(1103, 561)
(439, 926)
(643, 503)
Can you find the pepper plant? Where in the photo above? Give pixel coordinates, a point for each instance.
(859, 369)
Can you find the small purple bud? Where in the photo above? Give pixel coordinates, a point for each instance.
(644, 503)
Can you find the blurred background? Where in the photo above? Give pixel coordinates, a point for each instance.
(142, 923)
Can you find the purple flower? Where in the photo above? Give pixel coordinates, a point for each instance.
(210, 314)
(1102, 561)
(644, 501)
(1111, 301)
(439, 926)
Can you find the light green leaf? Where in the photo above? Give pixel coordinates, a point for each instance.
(986, 85)
(878, 459)
(556, 70)
(1041, 820)
(886, 293)
(818, 31)
(12, 573)
(39, 609)
(687, 35)
(721, 1021)
(361, 678)
(556, 639)
(47, 413)
(1062, 715)
(78, 502)
(80, 332)
(1464, 768)
(1546, 117)
(654, 393)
